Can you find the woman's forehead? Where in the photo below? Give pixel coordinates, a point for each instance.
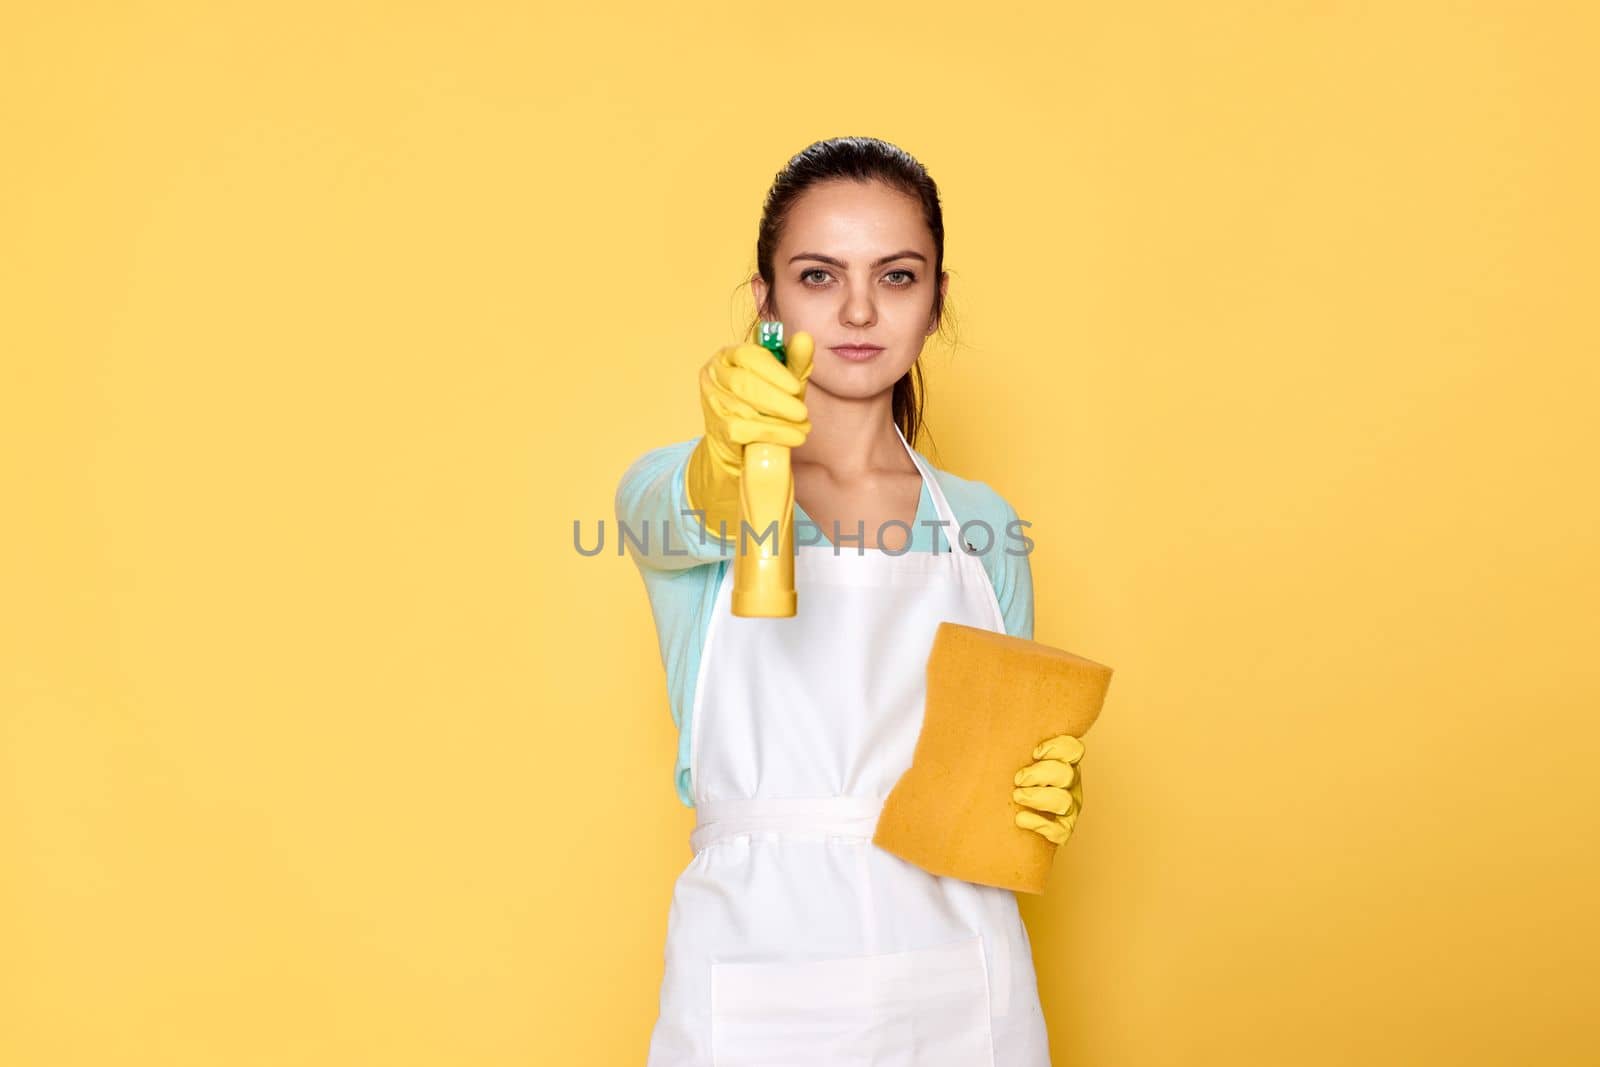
(848, 220)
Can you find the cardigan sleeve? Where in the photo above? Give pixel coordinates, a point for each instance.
(653, 515)
(999, 538)
(1012, 572)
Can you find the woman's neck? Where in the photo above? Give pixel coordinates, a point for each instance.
(851, 437)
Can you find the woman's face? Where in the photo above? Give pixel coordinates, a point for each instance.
(854, 267)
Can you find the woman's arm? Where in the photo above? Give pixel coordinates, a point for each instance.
(653, 516)
(681, 589)
(1013, 573)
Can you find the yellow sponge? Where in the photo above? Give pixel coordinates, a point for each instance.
(991, 698)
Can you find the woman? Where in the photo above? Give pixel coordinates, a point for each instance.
(791, 938)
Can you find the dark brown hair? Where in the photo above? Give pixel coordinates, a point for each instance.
(860, 159)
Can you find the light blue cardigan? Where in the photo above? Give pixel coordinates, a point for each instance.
(682, 575)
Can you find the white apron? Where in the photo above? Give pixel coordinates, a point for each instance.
(791, 938)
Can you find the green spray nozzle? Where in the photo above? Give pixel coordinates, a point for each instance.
(770, 337)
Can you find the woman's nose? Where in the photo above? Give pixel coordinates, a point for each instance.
(858, 310)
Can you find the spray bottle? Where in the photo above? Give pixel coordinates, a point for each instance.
(763, 563)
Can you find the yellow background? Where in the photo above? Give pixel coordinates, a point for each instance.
(321, 324)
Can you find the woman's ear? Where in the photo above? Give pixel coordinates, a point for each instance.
(758, 289)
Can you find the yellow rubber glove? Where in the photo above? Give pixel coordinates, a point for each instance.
(746, 395)
(1053, 783)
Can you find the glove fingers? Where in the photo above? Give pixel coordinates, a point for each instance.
(764, 364)
(800, 350)
(725, 405)
(1047, 828)
(721, 412)
(720, 407)
(1065, 747)
(760, 394)
(1044, 798)
(749, 397)
(1046, 772)
(727, 409)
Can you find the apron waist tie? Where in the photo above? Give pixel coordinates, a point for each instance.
(846, 816)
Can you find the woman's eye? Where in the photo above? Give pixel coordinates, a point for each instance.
(805, 276)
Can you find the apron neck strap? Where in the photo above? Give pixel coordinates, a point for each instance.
(940, 504)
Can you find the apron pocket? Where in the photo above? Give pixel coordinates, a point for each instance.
(923, 1008)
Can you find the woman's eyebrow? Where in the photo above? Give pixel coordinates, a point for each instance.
(819, 257)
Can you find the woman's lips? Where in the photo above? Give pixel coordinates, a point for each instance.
(857, 353)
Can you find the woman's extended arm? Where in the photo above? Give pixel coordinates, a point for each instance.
(653, 515)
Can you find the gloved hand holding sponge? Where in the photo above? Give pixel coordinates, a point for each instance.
(1052, 784)
(963, 809)
(746, 396)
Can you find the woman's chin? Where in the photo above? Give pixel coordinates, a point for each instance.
(853, 381)
(861, 389)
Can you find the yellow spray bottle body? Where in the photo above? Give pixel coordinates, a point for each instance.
(763, 562)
